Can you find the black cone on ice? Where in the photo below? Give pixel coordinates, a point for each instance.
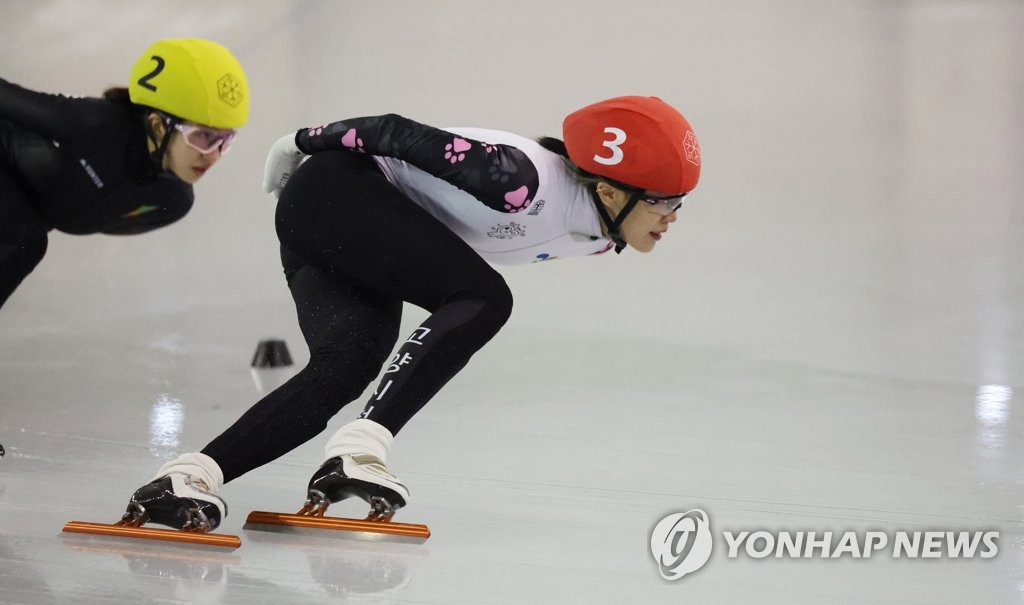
(271, 365)
(271, 354)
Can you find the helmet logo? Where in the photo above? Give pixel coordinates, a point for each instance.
(619, 137)
(229, 89)
(692, 148)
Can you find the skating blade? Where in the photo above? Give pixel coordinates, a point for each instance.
(146, 533)
(352, 528)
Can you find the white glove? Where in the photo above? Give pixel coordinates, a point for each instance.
(283, 159)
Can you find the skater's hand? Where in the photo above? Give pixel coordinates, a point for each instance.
(282, 161)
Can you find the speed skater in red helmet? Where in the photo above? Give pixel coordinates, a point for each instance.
(375, 212)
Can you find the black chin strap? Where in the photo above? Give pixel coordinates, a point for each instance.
(613, 225)
(157, 155)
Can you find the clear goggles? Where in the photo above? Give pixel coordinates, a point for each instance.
(662, 204)
(205, 139)
(659, 203)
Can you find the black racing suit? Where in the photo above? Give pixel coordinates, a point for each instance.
(78, 165)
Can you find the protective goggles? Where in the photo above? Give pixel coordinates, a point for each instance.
(657, 202)
(662, 204)
(205, 139)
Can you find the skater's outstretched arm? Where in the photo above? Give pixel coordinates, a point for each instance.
(487, 172)
(45, 114)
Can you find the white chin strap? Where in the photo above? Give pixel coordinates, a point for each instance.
(360, 436)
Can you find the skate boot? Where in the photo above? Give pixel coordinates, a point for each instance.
(355, 465)
(183, 496)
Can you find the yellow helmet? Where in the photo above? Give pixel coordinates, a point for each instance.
(192, 79)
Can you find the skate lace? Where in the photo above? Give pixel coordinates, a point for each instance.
(202, 486)
(374, 465)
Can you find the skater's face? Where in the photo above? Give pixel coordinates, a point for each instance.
(186, 161)
(645, 224)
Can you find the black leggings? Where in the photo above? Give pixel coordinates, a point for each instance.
(354, 248)
(23, 237)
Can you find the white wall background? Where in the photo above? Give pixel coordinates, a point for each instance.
(852, 150)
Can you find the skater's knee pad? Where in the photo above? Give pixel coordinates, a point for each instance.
(491, 306)
(499, 304)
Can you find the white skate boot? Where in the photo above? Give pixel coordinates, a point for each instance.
(183, 495)
(355, 465)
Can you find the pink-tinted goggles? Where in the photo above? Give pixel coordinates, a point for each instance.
(205, 139)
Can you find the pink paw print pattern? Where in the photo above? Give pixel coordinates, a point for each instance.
(488, 148)
(518, 200)
(352, 141)
(315, 131)
(456, 150)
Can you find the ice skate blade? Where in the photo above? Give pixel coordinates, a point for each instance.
(146, 533)
(350, 528)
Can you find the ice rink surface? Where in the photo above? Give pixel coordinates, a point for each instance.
(830, 338)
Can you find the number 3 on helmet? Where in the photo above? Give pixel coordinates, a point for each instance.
(192, 79)
(639, 141)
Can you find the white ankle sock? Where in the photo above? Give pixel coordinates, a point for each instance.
(200, 466)
(360, 436)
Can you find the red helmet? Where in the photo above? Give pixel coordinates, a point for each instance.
(639, 141)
